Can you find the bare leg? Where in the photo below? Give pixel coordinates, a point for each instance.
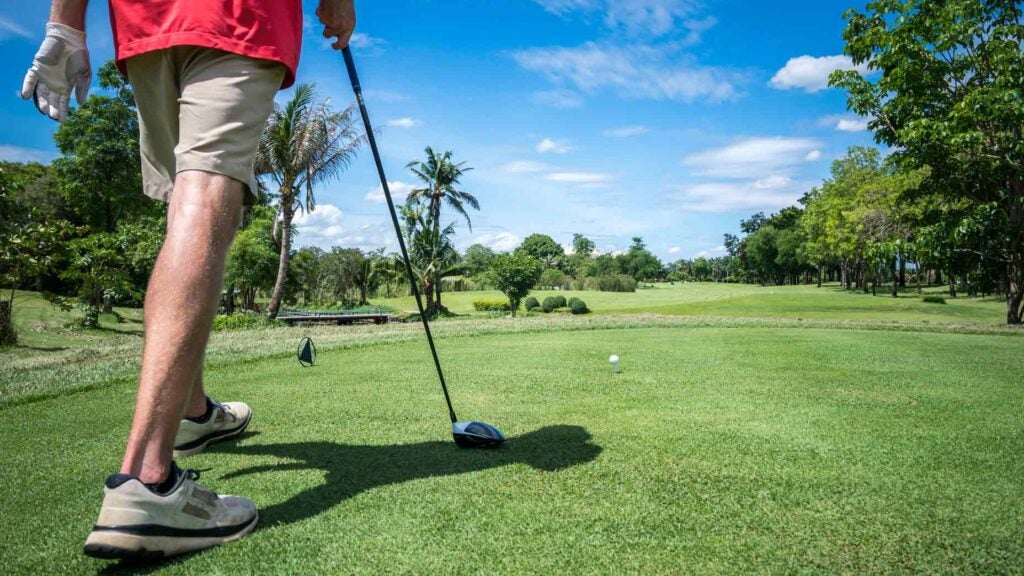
(180, 303)
(197, 400)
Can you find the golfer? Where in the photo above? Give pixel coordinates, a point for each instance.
(204, 73)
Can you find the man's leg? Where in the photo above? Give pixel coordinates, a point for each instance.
(197, 401)
(180, 303)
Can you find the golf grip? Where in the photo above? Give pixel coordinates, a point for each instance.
(351, 65)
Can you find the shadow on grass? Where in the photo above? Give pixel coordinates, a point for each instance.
(351, 469)
(41, 348)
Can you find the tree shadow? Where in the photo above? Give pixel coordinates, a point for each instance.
(41, 348)
(352, 469)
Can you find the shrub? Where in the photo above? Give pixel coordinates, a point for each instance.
(551, 303)
(531, 304)
(244, 321)
(616, 283)
(492, 306)
(560, 301)
(553, 278)
(934, 299)
(578, 306)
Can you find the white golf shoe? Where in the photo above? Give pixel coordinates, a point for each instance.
(224, 421)
(138, 523)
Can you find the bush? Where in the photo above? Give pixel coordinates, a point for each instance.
(578, 306)
(531, 304)
(934, 299)
(552, 278)
(492, 306)
(244, 321)
(551, 303)
(616, 283)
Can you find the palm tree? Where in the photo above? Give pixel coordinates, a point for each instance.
(431, 251)
(303, 144)
(440, 176)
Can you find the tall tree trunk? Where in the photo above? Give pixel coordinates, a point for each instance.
(428, 293)
(899, 277)
(917, 266)
(8, 337)
(1015, 265)
(286, 248)
(952, 284)
(819, 276)
(437, 292)
(1015, 286)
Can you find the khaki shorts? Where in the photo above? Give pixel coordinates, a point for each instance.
(200, 109)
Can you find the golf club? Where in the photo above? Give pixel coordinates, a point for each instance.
(469, 434)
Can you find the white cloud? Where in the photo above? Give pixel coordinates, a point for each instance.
(579, 177)
(399, 191)
(361, 40)
(852, 124)
(325, 227)
(21, 154)
(525, 167)
(321, 225)
(564, 99)
(626, 131)
(695, 29)
(810, 73)
(554, 146)
(404, 122)
(675, 250)
(654, 17)
(752, 157)
(844, 122)
(631, 71)
(813, 155)
(10, 28)
(739, 196)
(500, 242)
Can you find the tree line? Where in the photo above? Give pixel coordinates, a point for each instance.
(944, 92)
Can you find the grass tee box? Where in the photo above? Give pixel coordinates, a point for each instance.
(716, 450)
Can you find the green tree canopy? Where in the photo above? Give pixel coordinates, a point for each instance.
(944, 91)
(515, 274)
(543, 248)
(98, 173)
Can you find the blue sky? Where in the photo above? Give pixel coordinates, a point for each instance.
(666, 119)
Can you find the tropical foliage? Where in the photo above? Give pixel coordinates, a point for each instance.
(305, 143)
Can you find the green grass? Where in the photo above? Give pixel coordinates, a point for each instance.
(744, 300)
(753, 430)
(719, 449)
(41, 325)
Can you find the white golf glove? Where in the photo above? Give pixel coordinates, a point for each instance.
(61, 64)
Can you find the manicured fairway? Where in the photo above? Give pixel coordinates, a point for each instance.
(748, 301)
(717, 450)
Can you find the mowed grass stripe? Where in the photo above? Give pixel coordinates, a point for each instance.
(717, 450)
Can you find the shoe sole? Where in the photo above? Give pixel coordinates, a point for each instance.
(110, 545)
(212, 439)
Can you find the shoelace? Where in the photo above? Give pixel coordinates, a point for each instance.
(225, 410)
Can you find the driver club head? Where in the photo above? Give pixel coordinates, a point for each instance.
(476, 435)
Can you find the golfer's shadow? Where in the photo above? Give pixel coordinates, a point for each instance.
(351, 469)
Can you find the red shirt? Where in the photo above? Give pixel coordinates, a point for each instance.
(265, 29)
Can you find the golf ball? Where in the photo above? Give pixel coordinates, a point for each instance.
(613, 359)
